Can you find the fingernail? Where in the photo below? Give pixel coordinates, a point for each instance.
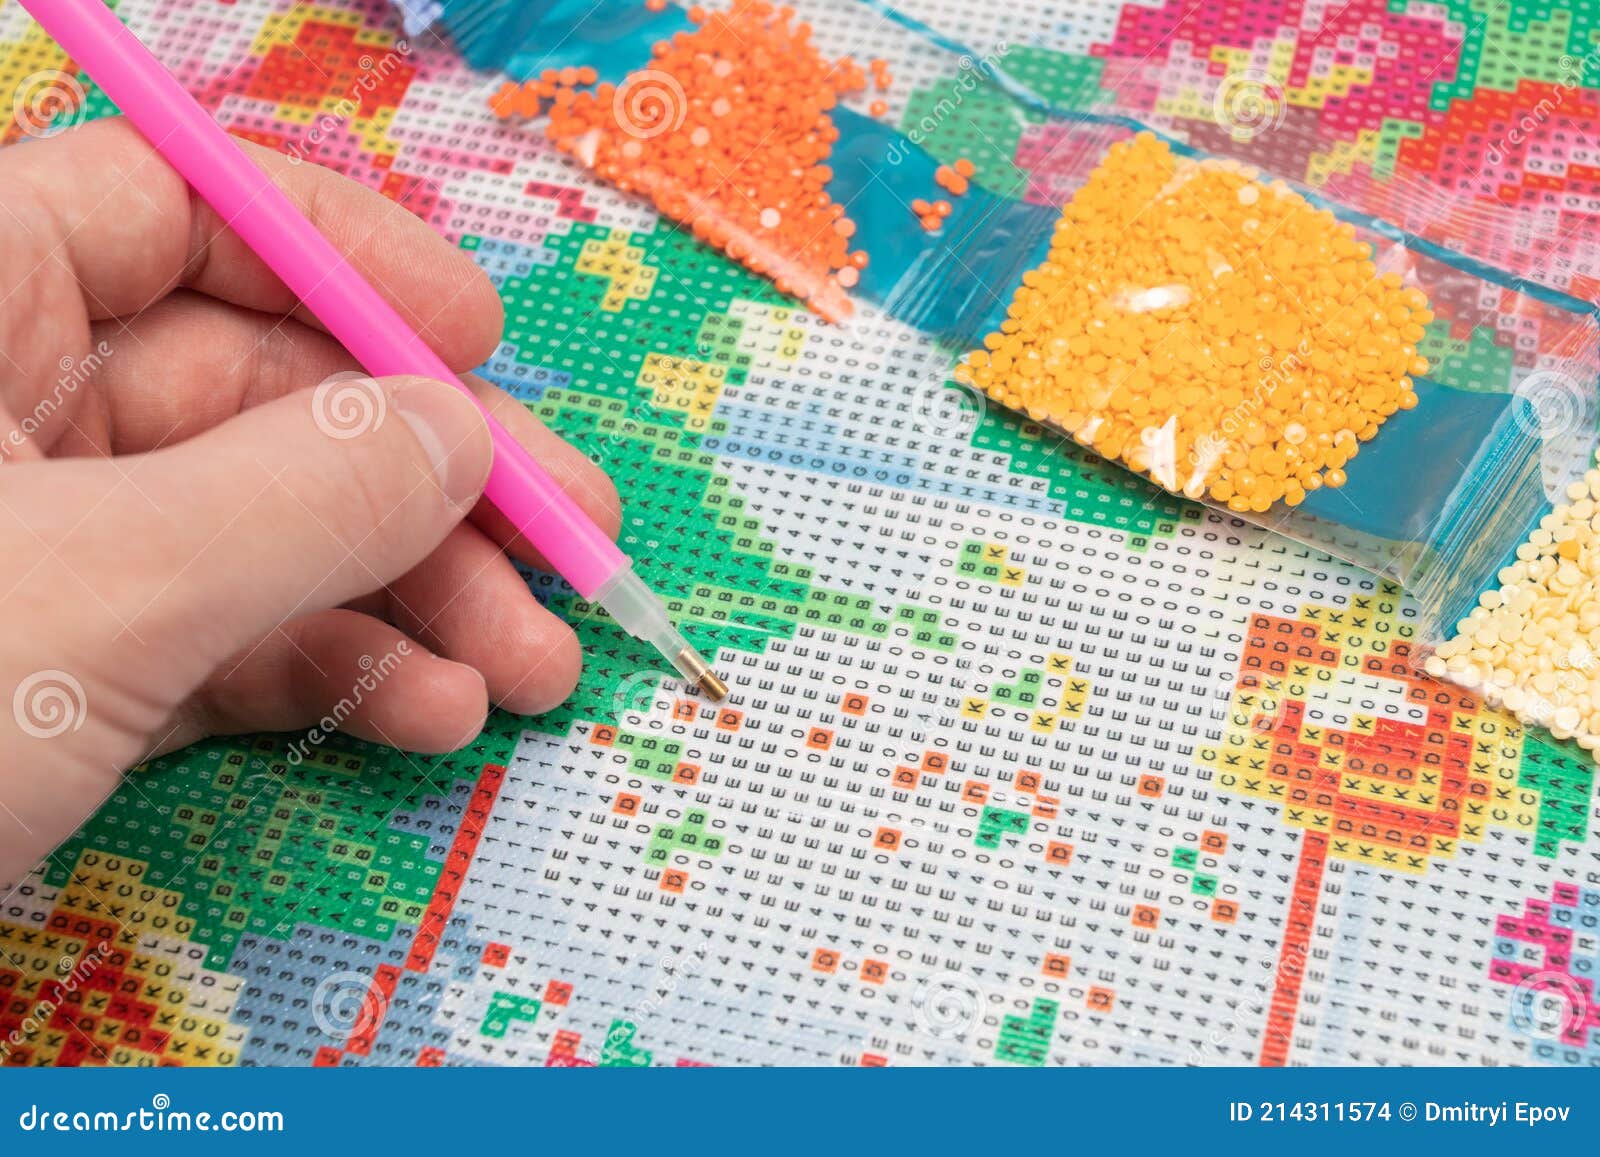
(451, 431)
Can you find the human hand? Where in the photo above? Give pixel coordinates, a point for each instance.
(193, 541)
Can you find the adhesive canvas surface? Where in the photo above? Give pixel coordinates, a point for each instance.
(1026, 763)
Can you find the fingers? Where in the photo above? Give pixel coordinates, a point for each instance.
(293, 507)
(95, 224)
(467, 602)
(337, 670)
(190, 362)
(99, 202)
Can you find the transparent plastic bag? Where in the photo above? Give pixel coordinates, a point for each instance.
(739, 126)
(1413, 410)
(1444, 477)
(1482, 500)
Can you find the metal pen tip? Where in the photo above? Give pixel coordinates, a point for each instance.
(713, 687)
(693, 665)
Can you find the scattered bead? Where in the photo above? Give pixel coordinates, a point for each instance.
(532, 98)
(504, 102)
(950, 180)
(965, 168)
(1241, 352)
(931, 214)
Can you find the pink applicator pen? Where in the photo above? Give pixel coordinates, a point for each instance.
(354, 312)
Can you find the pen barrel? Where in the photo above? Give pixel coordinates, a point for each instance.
(264, 217)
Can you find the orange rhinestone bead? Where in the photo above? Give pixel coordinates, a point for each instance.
(1212, 332)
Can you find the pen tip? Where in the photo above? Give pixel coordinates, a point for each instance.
(714, 688)
(692, 663)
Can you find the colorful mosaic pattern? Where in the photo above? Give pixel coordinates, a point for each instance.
(1551, 955)
(1028, 764)
(1474, 123)
(1331, 722)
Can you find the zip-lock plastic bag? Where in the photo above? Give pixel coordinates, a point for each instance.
(1329, 383)
(1344, 99)
(1233, 337)
(1473, 485)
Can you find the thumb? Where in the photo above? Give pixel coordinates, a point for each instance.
(298, 505)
